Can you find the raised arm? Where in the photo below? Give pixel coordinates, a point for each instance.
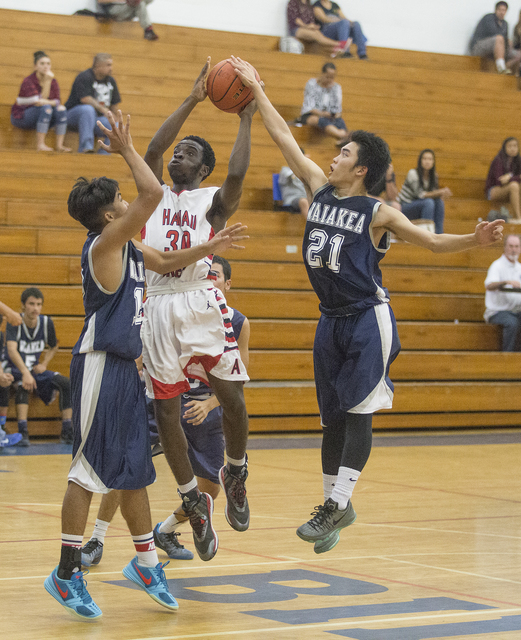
(226, 200)
(310, 173)
(167, 133)
(11, 316)
(389, 219)
(166, 261)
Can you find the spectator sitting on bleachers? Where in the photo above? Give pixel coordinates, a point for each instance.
(420, 196)
(38, 105)
(293, 191)
(302, 25)
(6, 379)
(386, 190)
(322, 107)
(25, 344)
(94, 93)
(334, 24)
(490, 40)
(123, 10)
(504, 176)
(503, 307)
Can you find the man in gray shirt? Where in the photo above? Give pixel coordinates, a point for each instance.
(490, 40)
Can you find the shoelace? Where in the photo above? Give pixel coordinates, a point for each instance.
(90, 546)
(172, 537)
(197, 522)
(320, 514)
(238, 490)
(79, 584)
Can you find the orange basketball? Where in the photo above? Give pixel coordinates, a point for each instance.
(226, 90)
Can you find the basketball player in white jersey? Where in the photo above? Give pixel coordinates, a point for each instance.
(187, 331)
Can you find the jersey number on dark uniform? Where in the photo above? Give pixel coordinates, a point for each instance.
(317, 250)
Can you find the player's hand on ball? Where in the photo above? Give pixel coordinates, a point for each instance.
(119, 137)
(227, 238)
(249, 109)
(244, 70)
(199, 91)
(489, 232)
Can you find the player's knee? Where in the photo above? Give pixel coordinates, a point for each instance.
(513, 187)
(22, 396)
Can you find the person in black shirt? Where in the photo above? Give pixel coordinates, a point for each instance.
(94, 93)
(490, 40)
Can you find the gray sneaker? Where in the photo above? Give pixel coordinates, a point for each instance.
(169, 543)
(327, 519)
(91, 552)
(200, 513)
(321, 546)
(237, 510)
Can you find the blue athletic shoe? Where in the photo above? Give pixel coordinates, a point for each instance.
(10, 439)
(73, 595)
(153, 581)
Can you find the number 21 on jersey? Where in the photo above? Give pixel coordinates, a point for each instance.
(320, 246)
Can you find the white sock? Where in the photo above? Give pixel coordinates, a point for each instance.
(329, 483)
(343, 489)
(146, 550)
(170, 524)
(236, 462)
(500, 64)
(100, 530)
(185, 488)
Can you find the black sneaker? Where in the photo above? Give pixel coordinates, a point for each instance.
(24, 442)
(347, 54)
(200, 514)
(169, 543)
(150, 34)
(237, 511)
(66, 436)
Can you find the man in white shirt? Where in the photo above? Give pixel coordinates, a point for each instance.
(503, 307)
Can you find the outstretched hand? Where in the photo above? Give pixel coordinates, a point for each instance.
(244, 70)
(489, 232)
(227, 238)
(119, 137)
(199, 91)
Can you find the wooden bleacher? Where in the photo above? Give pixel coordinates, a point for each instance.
(450, 373)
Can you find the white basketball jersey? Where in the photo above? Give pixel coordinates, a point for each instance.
(179, 222)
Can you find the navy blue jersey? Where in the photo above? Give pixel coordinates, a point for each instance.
(112, 320)
(340, 257)
(31, 342)
(198, 388)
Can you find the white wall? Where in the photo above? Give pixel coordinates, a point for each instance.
(443, 26)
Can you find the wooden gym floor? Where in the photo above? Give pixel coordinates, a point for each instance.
(435, 552)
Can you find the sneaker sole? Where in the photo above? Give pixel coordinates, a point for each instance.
(235, 524)
(51, 590)
(319, 537)
(130, 575)
(322, 546)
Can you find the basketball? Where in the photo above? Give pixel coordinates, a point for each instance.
(226, 90)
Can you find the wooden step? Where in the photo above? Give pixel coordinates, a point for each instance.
(268, 399)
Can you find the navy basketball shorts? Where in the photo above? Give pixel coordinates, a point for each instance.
(351, 356)
(205, 443)
(111, 447)
(45, 389)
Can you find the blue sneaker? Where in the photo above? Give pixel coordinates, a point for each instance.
(169, 543)
(153, 581)
(73, 595)
(9, 439)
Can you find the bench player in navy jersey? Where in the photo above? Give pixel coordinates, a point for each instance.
(346, 236)
(186, 330)
(111, 441)
(201, 419)
(26, 343)
(6, 379)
